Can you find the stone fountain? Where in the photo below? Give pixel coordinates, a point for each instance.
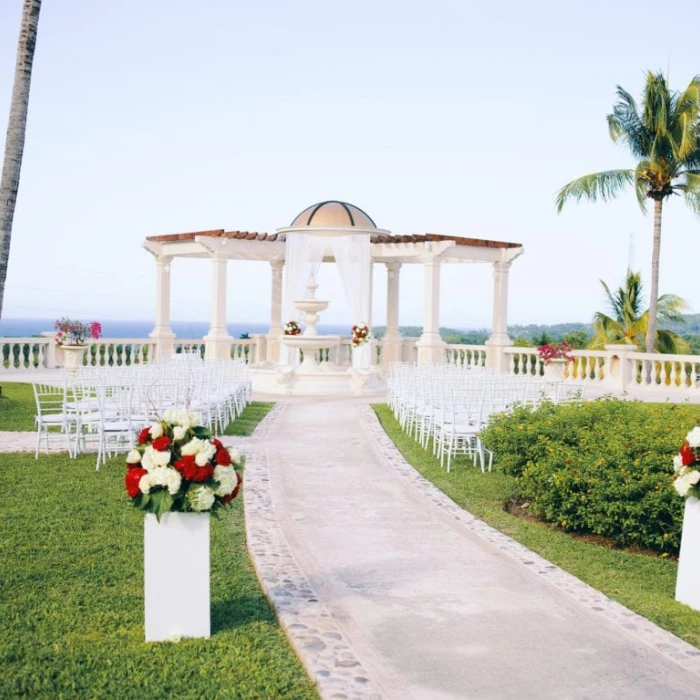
(309, 342)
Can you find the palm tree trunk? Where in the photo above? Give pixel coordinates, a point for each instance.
(16, 129)
(654, 292)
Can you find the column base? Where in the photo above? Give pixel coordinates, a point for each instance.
(496, 359)
(392, 348)
(165, 340)
(217, 346)
(431, 349)
(274, 346)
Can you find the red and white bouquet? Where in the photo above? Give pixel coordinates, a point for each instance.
(686, 466)
(292, 328)
(361, 335)
(178, 466)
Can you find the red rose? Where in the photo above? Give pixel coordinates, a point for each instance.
(144, 435)
(190, 471)
(132, 479)
(218, 444)
(687, 455)
(223, 458)
(162, 443)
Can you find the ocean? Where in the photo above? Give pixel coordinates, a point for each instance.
(28, 327)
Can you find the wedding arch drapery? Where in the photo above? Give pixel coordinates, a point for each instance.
(304, 253)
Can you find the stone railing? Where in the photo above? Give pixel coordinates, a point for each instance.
(618, 368)
(466, 355)
(20, 354)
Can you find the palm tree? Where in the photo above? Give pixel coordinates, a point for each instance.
(664, 137)
(630, 324)
(16, 129)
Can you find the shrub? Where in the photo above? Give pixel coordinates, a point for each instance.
(603, 467)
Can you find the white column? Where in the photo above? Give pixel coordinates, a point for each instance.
(392, 342)
(495, 357)
(218, 340)
(431, 348)
(162, 333)
(276, 332)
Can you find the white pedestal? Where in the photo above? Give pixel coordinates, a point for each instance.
(73, 358)
(688, 581)
(176, 573)
(554, 370)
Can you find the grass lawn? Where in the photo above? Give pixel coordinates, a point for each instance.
(644, 584)
(252, 414)
(71, 565)
(17, 407)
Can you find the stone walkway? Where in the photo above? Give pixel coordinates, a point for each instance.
(388, 589)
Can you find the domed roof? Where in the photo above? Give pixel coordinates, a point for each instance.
(333, 213)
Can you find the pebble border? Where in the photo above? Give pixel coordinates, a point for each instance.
(312, 631)
(664, 642)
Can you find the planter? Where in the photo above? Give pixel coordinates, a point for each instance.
(554, 370)
(73, 357)
(176, 573)
(688, 581)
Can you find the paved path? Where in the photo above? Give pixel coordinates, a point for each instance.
(388, 589)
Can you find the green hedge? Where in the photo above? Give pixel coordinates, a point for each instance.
(602, 467)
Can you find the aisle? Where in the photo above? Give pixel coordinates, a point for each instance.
(425, 605)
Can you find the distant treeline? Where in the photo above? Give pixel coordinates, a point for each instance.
(577, 334)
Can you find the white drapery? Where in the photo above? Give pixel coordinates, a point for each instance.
(304, 253)
(303, 256)
(352, 253)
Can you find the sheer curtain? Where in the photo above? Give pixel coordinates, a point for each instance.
(352, 254)
(303, 256)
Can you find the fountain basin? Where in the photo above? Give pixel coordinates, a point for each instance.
(309, 344)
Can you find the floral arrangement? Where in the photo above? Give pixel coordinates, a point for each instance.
(292, 328)
(177, 466)
(558, 351)
(686, 465)
(360, 335)
(76, 332)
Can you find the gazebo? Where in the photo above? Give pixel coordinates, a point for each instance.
(327, 221)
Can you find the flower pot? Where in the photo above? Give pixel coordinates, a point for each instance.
(554, 370)
(688, 579)
(73, 358)
(176, 573)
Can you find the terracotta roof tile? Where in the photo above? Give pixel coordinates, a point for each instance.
(380, 238)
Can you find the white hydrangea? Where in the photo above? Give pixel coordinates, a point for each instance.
(198, 447)
(200, 497)
(179, 432)
(181, 417)
(173, 480)
(677, 464)
(235, 455)
(686, 481)
(693, 437)
(145, 483)
(134, 457)
(226, 476)
(152, 459)
(156, 431)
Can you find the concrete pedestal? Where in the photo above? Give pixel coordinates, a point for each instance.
(176, 573)
(688, 581)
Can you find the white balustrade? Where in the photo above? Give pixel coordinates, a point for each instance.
(466, 355)
(24, 353)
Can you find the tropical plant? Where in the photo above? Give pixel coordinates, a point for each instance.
(629, 322)
(664, 137)
(16, 130)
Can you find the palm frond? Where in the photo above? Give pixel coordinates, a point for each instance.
(671, 343)
(670, 307)
(605, 185)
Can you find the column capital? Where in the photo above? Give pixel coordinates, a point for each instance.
(164, 259)
(502, 265)
(277, 265)
(393, 266)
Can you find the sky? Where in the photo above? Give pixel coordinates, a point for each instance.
(452, 117)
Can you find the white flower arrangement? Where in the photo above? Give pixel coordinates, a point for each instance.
(686, 466)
